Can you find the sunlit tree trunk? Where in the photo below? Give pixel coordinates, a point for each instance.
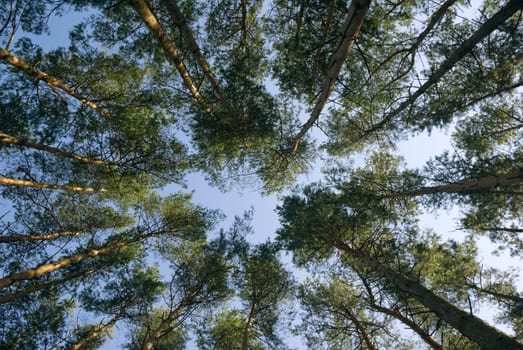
(32, 238)
(26, 183)
(52, 81)
(248, 327)
(179, 20)
(97, 332)
(166, 323)
(150, 19)
(46, 268)
(26, 143)
(47, 285)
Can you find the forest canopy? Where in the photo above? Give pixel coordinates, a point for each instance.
(146, 93)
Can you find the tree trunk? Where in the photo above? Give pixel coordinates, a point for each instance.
(486, 336)
(52, 81)
(351, 28)
(25, 143)
(324, 36)
(46, 268)
(488, 27)
(32, 238)
(102, 329)
(248, 327)
(149, 18)
(470, 185)
(25, 183)
(45, 286)
(399, 316)
(181, 23)
(360, 329)
(166, 323)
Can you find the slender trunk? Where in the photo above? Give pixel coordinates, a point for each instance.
(166, 323)
(504, 229)
(486, 336)
(409, 323)
(488, 27)
(509, 297)
(46, 268)
(399, 316)
(179, 20)
(360, 329)
(25, 183)
(351, 28)
(324, 35)
(150, 19)
(244, 24)
(45, 286)
(248, 327)
(97, 332)
(299, 21)
(26, 143)
(52, 81)
(470, 185)
(32, 238)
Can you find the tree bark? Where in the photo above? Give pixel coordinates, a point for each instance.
(360, 329)
(25, 183)
(32, 238)
(351, 28)
(248, 327)
(46, 268)
(399, 316)
(150, 19)
(52, 81)
(38, 146)
(324, 35)
(166, 323)
(486, 336)
(102, 329)
(35, 288)
(488, 27)
(470, 185)
(179, 20)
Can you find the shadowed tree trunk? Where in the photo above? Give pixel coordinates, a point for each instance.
(248, 328)
(486, 336)
(469, 185)
(484, 31)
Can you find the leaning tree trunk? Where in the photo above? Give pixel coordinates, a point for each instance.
(446, 66)
(470, 185)
(52, 81)
(351, 28)
(6, 181)
(13, 140)
(46, 268)
(486, 336)
(166, 323)
(149, 18)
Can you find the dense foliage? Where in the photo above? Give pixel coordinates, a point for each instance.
(145, 93)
